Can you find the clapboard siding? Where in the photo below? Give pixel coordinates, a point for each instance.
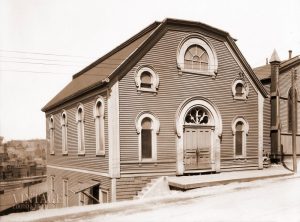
(89, 161)
(173, 90)
(128, 187)
(73, 179)
(284, 87)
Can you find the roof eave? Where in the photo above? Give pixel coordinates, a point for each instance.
(248, 67)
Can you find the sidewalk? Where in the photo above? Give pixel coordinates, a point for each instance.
(198, 181)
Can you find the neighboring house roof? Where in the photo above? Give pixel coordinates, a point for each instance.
(121, 59)
(264, 72)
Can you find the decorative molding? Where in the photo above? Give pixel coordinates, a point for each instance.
(51, 135)
(99, 126)
(154, 79)
(245, 91)
(64, 128)
(197, 39)
(155, 131)
(244, 135)
(215, 122)
(80, 130)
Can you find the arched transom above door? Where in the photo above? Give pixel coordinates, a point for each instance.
(197, 116)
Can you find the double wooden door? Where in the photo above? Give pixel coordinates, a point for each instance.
(197, 148)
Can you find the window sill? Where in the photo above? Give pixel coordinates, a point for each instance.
(240, 158)
(100, 154)
(52, 154)
(65, 154)
(148, 90)
(241, 98)
(195, 72)
(81, 154)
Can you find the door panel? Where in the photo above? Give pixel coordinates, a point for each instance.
(197, 148)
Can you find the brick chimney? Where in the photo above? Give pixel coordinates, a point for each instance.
(290, 54)
(275, 115)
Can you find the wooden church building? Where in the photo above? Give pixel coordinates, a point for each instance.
(178, 98)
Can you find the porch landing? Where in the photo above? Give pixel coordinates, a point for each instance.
(198, 181)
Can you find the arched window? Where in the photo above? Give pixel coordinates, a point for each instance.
(64, 127)
(290, 110)
(80, 129)
(147, 126)
(196, 58)
(240, 89)
(240, 130)
(99, 126)
(146, 79)
(196, 55)
(51, 134)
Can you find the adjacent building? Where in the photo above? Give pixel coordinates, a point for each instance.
(276, 76)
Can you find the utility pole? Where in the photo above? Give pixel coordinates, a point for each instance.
(294, 122)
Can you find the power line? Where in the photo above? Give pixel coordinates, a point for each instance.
(38, 63)
(52, 60)
(40, 53)
(30, 71)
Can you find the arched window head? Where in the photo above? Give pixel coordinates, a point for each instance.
(290, 110)
(147, 126)
(240, 89)
(80, 129)
(63, 119)
(146, 79)
(99, 126)
(80, 113)
(196, 55)
(240, 130)
(51, 134)
(64, 132)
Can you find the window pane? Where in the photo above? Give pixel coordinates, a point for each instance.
(146, 143)
(239, 89)
(239, 143)
(146, 77)
(146, 123)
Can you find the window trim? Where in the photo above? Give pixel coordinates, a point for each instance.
(51, 135)
(245, 134)
(80, 135)
(155, 132)
(196, 39)
(245, 89)
(101, 115)
(65, 193)
(64, 126)
(154, 79)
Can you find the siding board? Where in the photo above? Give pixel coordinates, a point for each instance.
(173, 90)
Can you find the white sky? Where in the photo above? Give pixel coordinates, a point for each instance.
(77, 32)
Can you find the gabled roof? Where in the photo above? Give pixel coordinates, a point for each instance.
(122, 58)
(98, 71)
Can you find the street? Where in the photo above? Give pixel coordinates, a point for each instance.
(276, 199)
